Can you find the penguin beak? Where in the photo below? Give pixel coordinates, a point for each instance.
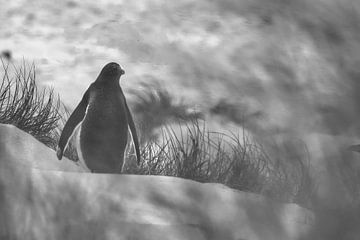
(122, 72)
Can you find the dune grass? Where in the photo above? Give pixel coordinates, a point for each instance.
(37, 112)
(22, 104)
(189, 150)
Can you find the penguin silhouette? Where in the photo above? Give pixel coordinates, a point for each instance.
(105, 118)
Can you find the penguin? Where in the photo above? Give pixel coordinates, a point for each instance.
(105, 118)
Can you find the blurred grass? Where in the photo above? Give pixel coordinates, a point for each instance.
(339, 219)
(155, 107)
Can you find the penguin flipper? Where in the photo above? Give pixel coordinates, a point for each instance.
(133, 133)
(75, 118)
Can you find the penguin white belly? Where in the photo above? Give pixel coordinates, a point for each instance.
(78, 148)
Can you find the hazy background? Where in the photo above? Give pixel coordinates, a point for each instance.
(287, 69)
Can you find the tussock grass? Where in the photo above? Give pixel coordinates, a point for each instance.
(22, 104)
(188, 150)
(37, 112)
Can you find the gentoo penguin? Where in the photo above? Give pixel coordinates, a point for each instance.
(105, 118)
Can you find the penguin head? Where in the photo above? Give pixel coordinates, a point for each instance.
(111, 72)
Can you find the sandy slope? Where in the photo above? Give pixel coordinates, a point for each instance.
(43, 198)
